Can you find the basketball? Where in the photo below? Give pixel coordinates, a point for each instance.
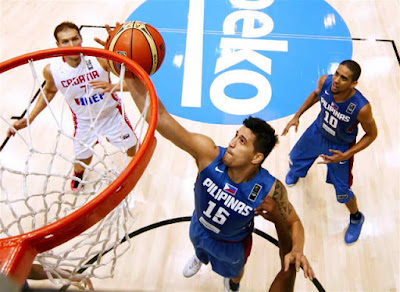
(138, 41)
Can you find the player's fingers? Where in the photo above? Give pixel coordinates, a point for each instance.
(311, 273)
(99, 41)
(286, 262)
(334, 151)
(298, 262)
(297, 126)
(265, 215)
(98, 84)
(286, 130)
(306, 268)
(108, 28)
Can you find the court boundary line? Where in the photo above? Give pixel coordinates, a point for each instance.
(166, 222)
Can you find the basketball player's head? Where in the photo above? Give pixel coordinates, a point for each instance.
(346, 76)
(67, 35)
(252, 143)
(266, 139)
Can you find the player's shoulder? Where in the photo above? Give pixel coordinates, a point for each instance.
(205, 151)
(322, 79)
(320, 83)
(47, 71)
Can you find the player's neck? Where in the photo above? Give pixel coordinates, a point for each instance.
(344, 95)
(242, 174)
(73, 61)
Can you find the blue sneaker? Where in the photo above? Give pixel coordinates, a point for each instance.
(354, 230)
(291, 179)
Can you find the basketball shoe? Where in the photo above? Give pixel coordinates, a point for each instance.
(354, 230)
(192, 267)
(229, 286)
(75, 183)
(291, 179)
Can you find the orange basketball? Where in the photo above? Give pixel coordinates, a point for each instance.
(138, 41)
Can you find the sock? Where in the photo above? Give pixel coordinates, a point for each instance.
(78, 175)
(233, 286)
(356, 216)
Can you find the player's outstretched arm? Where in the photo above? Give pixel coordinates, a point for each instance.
(201, 147)
(277, 208)
(49, 91)
(309, 102)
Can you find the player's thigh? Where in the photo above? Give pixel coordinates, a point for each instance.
(310, 145)
(118, 131)
(84, 140)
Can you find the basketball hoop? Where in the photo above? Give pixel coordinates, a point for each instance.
(17, 253)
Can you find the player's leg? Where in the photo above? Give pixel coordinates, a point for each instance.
(284, 281)
(339, 174)
(196, 234)
(303, 154)
(118, 131)
(79, 170)
(232, 284)
(227, 259)
(83, 154)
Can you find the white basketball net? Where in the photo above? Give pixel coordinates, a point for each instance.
(36, 168)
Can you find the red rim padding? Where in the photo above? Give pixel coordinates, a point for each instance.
(17, 253)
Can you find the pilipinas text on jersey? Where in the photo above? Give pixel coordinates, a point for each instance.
(338, 121)
(225, 208)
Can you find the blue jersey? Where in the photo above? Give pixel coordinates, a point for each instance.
(338, 121)
(226, 209)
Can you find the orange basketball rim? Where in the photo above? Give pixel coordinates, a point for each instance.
(17, 253)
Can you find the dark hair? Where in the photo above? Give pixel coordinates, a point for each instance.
(63, 26)
(265, 135)
(353, 67)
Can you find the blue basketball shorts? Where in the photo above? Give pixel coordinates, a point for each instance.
(227, 258)
(310, 145)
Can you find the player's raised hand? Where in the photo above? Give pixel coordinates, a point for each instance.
(299, 260)
(109, 30)
(293, 122)
(105, 86)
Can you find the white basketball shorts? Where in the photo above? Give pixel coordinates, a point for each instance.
(113, 126)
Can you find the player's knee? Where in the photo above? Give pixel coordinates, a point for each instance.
(344, 197)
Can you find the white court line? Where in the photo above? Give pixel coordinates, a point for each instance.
(193, 66)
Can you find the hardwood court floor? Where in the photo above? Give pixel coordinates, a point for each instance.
(166, 190)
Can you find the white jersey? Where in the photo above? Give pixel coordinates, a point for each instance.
(85, 102)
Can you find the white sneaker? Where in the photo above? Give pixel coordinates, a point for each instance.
(227, 287)
(192, 267)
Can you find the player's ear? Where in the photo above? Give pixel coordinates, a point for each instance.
(258, 157)
(354, 84)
